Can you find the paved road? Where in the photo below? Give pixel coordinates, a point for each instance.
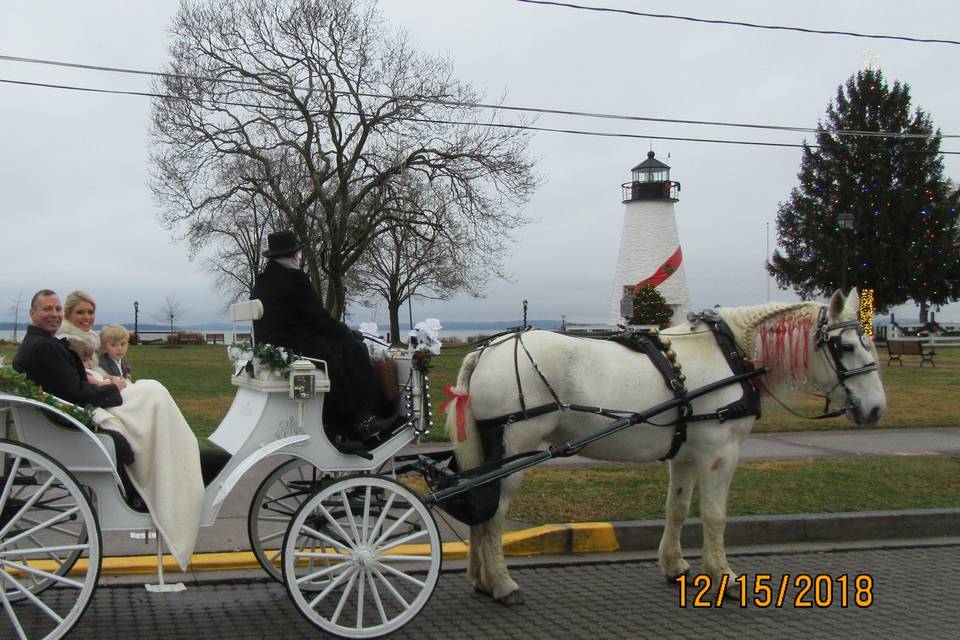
(910, 592)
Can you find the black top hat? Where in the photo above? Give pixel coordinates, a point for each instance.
(282, 243)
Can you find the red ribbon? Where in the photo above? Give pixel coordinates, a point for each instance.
(666, 270)
(460, 400)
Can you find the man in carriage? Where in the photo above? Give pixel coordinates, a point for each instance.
(294, 318)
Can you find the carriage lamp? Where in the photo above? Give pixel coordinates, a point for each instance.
(303, 383)
(303, 380)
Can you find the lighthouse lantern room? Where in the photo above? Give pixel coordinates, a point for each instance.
(651, 180)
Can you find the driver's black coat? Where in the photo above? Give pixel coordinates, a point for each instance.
(294, 318)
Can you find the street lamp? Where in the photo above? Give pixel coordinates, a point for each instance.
(136, 318)
(845, 220)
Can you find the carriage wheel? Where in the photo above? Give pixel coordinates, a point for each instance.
(46, 523)
(361, 557)
(276, 501)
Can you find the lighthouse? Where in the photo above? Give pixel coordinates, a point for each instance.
(649, 243)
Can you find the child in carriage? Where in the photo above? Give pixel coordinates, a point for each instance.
(85, 351)
(114, 340)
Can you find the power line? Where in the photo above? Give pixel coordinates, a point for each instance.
(734, 23)
(496, 125)
(481, 105)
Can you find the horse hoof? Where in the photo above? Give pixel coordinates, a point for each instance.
(511, 599)
(673, 581)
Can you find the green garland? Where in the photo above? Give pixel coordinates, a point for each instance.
(18, 384)
(276, 359)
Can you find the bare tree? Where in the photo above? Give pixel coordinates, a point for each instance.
(237, 236)
(170, 311)
(316, 107)
(16, 306)
(431, 262)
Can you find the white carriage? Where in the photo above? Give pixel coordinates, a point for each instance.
(359, 553)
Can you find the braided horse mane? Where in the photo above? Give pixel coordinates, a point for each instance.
(777, 335)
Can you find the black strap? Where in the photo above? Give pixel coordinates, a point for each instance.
(516, 369)
(651, 345)
(749, 403)
(502, 421)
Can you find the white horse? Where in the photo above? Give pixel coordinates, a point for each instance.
(805, 344)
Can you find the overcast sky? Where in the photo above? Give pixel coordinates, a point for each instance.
(76, 211)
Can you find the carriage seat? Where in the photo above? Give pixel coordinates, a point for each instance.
(246, 312)
(49, 430)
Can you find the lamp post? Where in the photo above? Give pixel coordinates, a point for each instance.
(136, 317)
(845, 220)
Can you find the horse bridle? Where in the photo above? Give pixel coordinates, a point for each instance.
(832, 345)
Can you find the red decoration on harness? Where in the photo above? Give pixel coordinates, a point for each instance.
(785, 346)
(460, 401)
(666, 270)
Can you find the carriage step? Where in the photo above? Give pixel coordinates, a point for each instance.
(146, 536)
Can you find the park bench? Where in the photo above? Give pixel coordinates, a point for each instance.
(185, 337)
(898, 348)
(215, 338)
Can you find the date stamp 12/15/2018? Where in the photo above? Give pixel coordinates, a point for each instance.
(802, 591)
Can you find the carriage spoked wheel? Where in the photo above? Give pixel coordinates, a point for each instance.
(46, 524)
(361, 557)
(274, 504)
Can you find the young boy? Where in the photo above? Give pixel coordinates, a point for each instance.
(114, 340)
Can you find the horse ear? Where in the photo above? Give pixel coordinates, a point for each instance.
(837, 303)
(853, 303)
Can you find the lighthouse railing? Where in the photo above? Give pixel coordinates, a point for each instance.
(666, 190)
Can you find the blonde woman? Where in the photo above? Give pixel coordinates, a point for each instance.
(79, 315)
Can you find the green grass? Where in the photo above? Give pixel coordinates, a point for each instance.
(198, 378)
(772, 487)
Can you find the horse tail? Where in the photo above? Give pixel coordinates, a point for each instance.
(469, 451)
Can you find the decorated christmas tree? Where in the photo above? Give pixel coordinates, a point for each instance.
(880, 163)
(649, 307)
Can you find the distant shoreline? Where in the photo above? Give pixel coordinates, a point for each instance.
(489, 327)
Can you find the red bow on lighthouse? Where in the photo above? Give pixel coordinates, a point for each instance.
(666, 270)
(460, 400)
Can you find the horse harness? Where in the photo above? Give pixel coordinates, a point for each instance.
(833, 347)
(478, 504)
(657, 348)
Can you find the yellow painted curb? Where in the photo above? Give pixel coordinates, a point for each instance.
(594, 537)
(543, 540)
(578, 537)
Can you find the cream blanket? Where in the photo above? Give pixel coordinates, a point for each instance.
(166, 471)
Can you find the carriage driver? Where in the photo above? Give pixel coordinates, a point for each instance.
(295, 319)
